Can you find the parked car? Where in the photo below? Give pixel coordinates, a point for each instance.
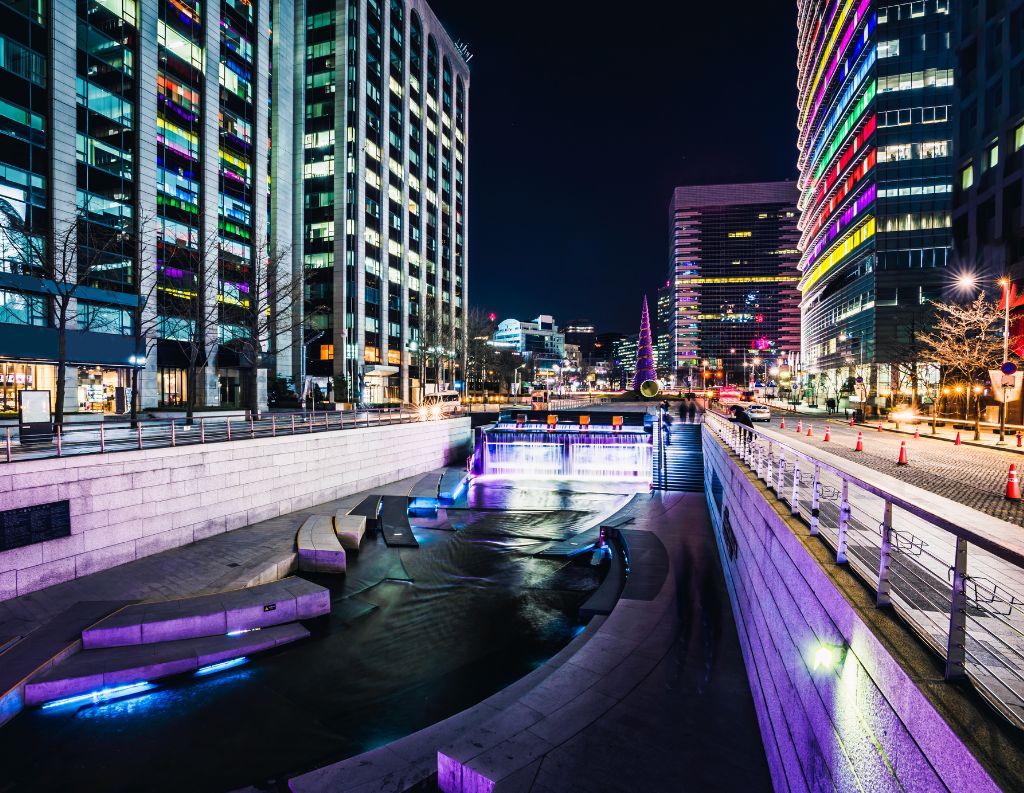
(759, 413)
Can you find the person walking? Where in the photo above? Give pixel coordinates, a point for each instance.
(683, 407)
(691, 410)
(666, 422)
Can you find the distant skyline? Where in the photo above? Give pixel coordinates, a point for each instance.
(582, 123)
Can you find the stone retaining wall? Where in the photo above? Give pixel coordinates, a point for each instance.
(127, 505)
(863, 723)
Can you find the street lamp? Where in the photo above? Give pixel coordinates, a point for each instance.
(1004, 282)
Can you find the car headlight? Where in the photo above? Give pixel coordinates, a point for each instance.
(423, 412)
(435, 412)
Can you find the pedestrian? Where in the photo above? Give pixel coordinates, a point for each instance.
(739, 415)
(683, 403)
(666, 422)
(691, 410)
(830, 405)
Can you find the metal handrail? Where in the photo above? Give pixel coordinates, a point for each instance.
(74, 440)
(771, 459)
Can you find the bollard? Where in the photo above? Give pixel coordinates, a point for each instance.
(172, 432)
(202, 430)
(103, 441)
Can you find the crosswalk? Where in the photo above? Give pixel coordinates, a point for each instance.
(679, 462)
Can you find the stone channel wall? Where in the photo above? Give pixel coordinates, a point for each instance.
(862, 723)
(127, 505)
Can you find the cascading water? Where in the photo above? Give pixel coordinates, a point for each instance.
(565, 452)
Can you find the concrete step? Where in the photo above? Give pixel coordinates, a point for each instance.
(318, 546)
(261, 606)
(95, 670)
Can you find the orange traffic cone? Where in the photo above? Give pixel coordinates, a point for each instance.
(860, 442)
(1013, 484)
(903, 454)
(917, 433)
(782, 423)
(810, 431)
(828, 433)
(799, 425)
(957, 441)
(879, 426)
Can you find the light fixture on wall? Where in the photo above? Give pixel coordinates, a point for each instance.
(827, 657)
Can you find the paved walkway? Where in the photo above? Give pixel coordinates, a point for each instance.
(654, 697)
(225, 561)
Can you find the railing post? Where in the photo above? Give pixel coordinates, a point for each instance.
(172, 432)
(760, 461)
(956, 645)
(138, 430)
(273, 426)
(228, 423)
(252, 427)
(844, 523)
(59, 442)
(8, 444)
(312, 420)
(202, 430)
(293, 423)
(781, 474)
(815, 498)
(885, 556)
(794, 501)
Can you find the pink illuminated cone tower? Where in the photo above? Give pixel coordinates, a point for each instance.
(644, 351)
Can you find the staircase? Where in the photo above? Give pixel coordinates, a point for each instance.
(683, 468)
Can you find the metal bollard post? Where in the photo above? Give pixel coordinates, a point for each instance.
(138, 428)
(882, 597)
(8, 444)
(103, 443)
(228, 422)
(172, 432)
(59, 442)
(844, 523)
(956, 645)
(815, 499)
(202, 430)
(794, 502)
(273, 426)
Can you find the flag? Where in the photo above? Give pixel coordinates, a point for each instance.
(1016, 300)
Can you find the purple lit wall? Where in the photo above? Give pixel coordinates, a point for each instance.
(860, 723)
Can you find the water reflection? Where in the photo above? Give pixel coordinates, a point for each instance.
(414, 636)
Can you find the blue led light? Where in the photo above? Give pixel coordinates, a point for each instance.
(102, 695)
(221, 666)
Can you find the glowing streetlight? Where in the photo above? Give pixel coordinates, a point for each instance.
(966, 280)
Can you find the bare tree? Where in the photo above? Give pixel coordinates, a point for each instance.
(61, 266)
(963, 340)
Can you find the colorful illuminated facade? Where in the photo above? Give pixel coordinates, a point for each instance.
(733, 277)
(384, 185)
(875, 158)
(144, 128)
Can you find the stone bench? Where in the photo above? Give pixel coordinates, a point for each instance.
(318, 546)
(349, 530)
(261, 606)
(93, 670)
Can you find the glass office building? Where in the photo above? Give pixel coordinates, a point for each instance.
(733, 278)
(875, 87)
(141, 133)
(384, 183)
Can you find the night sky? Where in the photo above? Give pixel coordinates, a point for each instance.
(581, 123)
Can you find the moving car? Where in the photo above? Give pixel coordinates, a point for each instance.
(759, 413)
(438, 404)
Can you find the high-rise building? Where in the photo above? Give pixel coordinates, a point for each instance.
(875, 86)
(988, 219)
(539, 338)
(384, 186)
(581, 333)
(733, 276)
(663, 333)
(138, 153)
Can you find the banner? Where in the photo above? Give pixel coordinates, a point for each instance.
(1010, 384)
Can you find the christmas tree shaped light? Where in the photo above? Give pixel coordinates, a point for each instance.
(644, 351)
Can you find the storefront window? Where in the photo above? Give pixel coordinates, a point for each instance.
(15, 377)
(173, 385)
(103, 390)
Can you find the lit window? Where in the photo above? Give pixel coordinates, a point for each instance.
(967, 176)
(992, 155)
(888, 49)
(1018, 138)
(326, 352)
